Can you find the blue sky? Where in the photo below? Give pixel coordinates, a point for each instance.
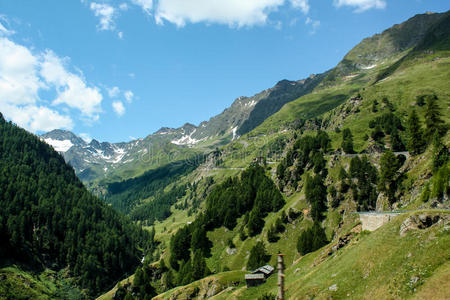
(115, 70)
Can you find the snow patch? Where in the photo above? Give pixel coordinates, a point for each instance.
(250, 104)
(100, 154)
(187, 139)
(60, 146)
(120, 154)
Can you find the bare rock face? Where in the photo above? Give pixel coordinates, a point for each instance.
(422, 221)
(382, 202)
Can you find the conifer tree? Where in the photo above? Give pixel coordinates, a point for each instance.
(347, 141)
(415, 142)
(199, 268)
(389, 176)
(258, 256)
(311, 239)
(440, 152)
(396, 141)
(433, 121)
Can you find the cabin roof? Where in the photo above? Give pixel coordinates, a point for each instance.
(268, 267)
(265, 269)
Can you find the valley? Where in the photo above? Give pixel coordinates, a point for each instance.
(185, 213)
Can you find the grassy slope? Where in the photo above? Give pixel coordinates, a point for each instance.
(417, 75)
(425, 76)
(430, 75)
(16, 283)
(377, 265)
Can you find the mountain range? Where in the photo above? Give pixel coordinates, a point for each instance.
(94, 159)
(295, 169)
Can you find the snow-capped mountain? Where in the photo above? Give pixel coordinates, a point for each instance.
(94, 159)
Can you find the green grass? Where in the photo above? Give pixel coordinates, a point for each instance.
(16, 283)
(377, 265)
(374, 265)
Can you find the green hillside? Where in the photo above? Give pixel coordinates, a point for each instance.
(330, 153)
(379, 265)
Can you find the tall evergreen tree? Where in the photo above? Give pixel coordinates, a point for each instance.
(440, 152)
(199, 268)
(258, 256)
(433, 121)
(316, 195)
(347, 141)
(389, 175)
(415, 142)
(311, 239)
(396, 141)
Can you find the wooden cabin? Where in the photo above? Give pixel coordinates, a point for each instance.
(258, 276)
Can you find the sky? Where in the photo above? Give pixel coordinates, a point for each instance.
(120, 70)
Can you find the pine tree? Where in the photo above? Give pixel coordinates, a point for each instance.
(258, 256)
(199, 268)
(377, 134)
(433, 121)
(389, 165)
(347, 141)
(319, 236)
(185, 274)
(316, 195)
(304, 243)
(440, 152)
(311, 239)
(415, 142)
(396, 141)
(255, 222)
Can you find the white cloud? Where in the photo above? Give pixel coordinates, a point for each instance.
(72, 89)
(37, 118)
(128, 96)
(303, 5)
(231, 12)
(19, 87)
(361, 5)
(146, 5)
(123, 6)
(19, 81)
(23, 75)
(314, 24)
(113, 92)
(106, 13)
(4, 31)
(120, 35)
(118, 108)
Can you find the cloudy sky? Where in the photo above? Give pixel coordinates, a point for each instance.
(114, 70)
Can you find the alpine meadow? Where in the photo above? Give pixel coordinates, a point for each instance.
(334, 186)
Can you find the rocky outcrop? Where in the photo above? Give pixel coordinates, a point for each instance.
(422, 221)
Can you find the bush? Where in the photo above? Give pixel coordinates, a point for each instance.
(267, 296)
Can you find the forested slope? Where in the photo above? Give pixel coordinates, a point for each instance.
(49, 220)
